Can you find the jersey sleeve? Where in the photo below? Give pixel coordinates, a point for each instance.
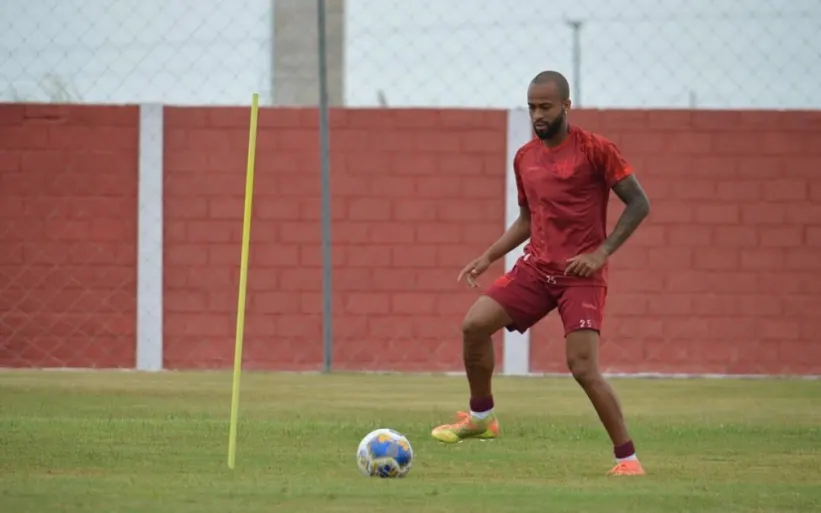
(517, 172)
(609, 161)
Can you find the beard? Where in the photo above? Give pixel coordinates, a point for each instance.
(552, 128)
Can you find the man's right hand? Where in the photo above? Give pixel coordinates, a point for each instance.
(474, 269)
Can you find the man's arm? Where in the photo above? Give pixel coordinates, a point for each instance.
(619, 177)
(637, 206)
(519, 230)
(517, 233)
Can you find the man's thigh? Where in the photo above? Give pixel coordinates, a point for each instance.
(524, 295)
(581, 307)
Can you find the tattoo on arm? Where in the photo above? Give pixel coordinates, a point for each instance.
(637, 206)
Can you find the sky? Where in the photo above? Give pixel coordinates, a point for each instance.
(444, 53)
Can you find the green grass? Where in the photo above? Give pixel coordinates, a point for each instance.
(123, 442)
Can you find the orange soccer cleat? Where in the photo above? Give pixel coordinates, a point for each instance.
(627, 468)
(467, 426)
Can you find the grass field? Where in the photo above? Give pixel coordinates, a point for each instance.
(123, 442)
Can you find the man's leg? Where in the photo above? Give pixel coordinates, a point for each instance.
(484, 318)
(515, 301)
(581, 309)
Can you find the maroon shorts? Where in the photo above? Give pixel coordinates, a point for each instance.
(528, 295)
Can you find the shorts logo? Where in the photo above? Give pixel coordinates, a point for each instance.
(502, 281)
(589, 306)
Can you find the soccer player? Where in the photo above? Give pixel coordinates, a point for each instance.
(564, 177)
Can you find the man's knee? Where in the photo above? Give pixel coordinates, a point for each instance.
(582, 367)
(484, 318)
(475, 326)
(581, 356)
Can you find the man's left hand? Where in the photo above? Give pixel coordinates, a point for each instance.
(586, 264)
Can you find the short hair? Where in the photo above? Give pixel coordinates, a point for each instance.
(557, 78)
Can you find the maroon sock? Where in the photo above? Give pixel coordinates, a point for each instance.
(480, 404)
(624, 450)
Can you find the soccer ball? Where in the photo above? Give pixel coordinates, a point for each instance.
(384, 453)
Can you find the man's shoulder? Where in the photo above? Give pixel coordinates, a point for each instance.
(589, 140)
(531, 145)
(523, 151)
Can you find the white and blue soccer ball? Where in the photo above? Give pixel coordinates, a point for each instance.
(384, 453)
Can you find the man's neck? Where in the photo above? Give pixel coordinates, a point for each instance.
(558, 138)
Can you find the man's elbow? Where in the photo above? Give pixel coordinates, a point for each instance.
(524, 225)
(641, 206)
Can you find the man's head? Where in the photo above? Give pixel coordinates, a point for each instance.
(548, 98)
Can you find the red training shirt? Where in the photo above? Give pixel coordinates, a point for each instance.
(566, 189)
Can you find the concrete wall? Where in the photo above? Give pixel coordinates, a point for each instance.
(296, 55)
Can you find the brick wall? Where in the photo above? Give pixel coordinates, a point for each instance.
(724, 277)
(415, 194)
(68, 214)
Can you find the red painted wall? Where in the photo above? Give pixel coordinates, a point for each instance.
(68, 235)
(415, 194)
(724, 277)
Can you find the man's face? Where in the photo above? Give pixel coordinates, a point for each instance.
(547, 109)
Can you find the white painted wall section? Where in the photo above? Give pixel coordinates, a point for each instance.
(150, 240)
(516, 353)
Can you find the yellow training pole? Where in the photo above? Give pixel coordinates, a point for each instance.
(243, 278)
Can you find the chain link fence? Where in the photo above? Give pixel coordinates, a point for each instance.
(69, 187)
(642, 53)
(113, 51)
(460, 53)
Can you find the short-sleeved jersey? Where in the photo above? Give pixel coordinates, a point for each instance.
(566, 189)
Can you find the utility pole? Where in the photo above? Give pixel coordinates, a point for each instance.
(576, 27)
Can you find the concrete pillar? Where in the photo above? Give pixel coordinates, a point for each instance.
(296, 64)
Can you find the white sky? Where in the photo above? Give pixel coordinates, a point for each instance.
(471, 53)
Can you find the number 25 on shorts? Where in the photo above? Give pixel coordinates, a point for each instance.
(585, 323)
